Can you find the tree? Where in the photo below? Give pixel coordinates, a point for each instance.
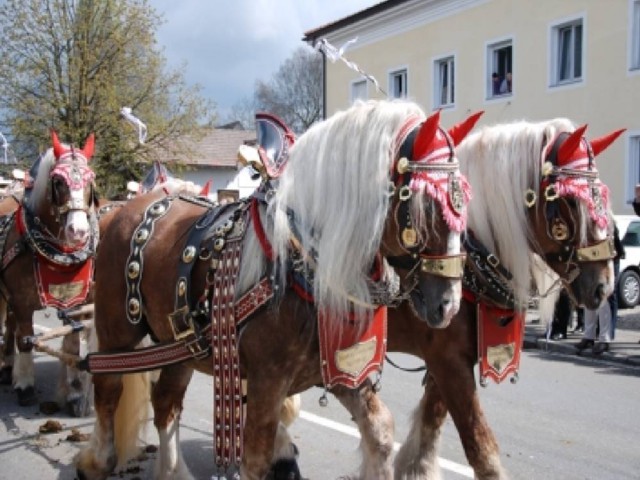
(71, 65)
(295, 91)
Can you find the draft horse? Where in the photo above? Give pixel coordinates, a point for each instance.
(536, 191)
(48, 244)
(375, 182)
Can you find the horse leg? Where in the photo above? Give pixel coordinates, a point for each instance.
(167, 396)
(456, 383)
(98, 460)
(418, 456)
(265, 397)
(9, 343)
(285, 463)
(73, 384)
(23, 367)
(376, 426)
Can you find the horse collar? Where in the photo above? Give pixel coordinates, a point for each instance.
(48, 248)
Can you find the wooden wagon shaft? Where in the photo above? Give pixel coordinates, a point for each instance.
(62, 331)
(84, 310)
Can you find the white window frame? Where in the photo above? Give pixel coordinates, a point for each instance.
(491, 66)
(634, 36)
(633, 164)
(555, 54)
(450, 101)
(403, 72)
(352, 90)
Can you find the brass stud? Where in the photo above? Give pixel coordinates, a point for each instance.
(189, 254)
(133, 270)
(403, 165)
(134, 306)
(142, 235)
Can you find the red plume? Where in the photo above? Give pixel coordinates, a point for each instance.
(600, 143)
(425, 135)
(205, 190)
(461, 130)
(570, 145)
(89, 145)
(57, 146)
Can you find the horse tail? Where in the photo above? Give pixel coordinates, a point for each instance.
(131, 416)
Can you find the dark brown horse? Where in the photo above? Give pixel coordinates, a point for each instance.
(48, 243)
(377, 181)
(536, 196)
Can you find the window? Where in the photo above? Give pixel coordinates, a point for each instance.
(358, 90)
(499, 64)
(398, 87)
(444, 82)
(633, 165)
(567, 52)
(634, 43)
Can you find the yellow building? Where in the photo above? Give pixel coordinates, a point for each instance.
(572, 58)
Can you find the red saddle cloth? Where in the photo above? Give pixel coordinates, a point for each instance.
(347, 359)
(499, 347)
(63, 287)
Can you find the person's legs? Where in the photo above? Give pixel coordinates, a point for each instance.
(590, 322)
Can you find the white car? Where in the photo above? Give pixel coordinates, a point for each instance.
(629, 279)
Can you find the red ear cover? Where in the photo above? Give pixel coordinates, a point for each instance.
(571, 143)
(426, 135)
(461, 130)
(601, 143)
(88, 148)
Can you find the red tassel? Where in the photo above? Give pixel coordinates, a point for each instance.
(205, 190)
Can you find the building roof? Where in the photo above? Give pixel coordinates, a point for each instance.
(310, 36)
(218, 148)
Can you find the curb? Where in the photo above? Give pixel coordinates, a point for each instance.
(535, 342)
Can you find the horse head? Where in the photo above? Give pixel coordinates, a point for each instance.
(572, 220)
(427, 216)
(71, 191)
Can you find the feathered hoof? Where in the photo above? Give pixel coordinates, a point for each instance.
(26, 396)
(87, 467)
(79, 407)
(285, 469)
(5, 375)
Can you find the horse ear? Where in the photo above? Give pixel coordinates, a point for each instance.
(461, 130)
(205, 190)
(571, 143)
(57, 146)
(425, 135)
(601, 143)
(89, 145)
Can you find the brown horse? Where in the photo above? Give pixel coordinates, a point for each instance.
(375, 181)
(48, 244)
(536, 195)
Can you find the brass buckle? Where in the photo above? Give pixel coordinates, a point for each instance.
(182, 313)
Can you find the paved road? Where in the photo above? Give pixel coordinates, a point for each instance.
(550, 425)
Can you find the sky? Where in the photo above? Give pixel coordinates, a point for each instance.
(226, 45)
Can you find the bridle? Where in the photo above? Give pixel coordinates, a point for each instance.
(439, 166)
(72, 169)
(553, 186)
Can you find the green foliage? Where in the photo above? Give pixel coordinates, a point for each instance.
(72, 65)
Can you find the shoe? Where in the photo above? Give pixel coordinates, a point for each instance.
(559, 336)
(584, 344)
(600, 348)
(578, 329)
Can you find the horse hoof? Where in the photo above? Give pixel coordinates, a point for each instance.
(285, 469)
(5, 375)
(26, 396)
(78, 408)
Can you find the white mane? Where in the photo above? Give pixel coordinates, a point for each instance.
(501, 163)
(41, 182)
(335, 185)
